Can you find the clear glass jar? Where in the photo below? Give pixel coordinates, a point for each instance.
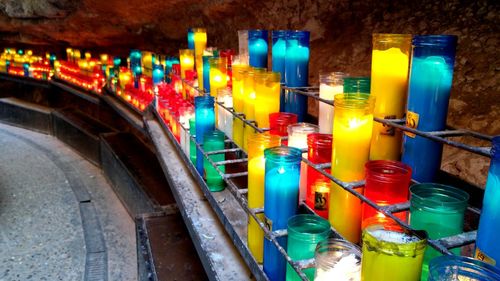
(451, 268)
(330, 84)
(337, 260)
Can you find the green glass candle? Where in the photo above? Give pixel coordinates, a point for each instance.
(304, 233)
(439, 210)
(192, 145)
(212, 141)
(358, 85)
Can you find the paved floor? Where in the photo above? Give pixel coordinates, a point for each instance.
(59, 218)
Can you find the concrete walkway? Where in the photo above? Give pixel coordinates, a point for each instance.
(59, 218)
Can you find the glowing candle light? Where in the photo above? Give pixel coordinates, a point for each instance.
(158, 74)
(186, 57)
(257, 48)
(225, 118)
(281, 193)
(267, 96)
(330, 84)
(389, 83)
(238, 99)
(257, 143)
(200, 44)
(353, 123)
(249, 101)
(69, 54)
(88, 55)
(218, 72)
(428, 95)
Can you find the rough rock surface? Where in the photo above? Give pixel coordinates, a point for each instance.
(340, 31)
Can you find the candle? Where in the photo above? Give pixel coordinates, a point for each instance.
(330, 84)
(297, 71)
(439, 210)
(428, 95)
(243, 46)
(278, 123)
(452, 267)
(190, 38)
(88, 55)
(124, 78)
(319, 150)
(158, 74)
(304, 233)
(257, 48)
(351, 147)
(218, 73)
(249, 101)
(186, 57)
(389, 82)
(279, 51)
(206, 72)
(213, 141)
(186, 113)
(267, 96)
(357, 85)
(297, 137)
(387, 183)
(487, 248)
(257, 143)
(69, 54)
(337, 260)
(200, 44)
(390, 253)
(192, 144)
(135, 61)
(238, 97)
(147, 61)
(281, 193)
(205, 122)
(225, 118)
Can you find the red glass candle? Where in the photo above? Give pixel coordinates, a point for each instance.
(278, 123)
(319, 150)
(387, 183)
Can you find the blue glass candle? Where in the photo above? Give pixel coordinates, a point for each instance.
(135, 58)
(297, 71)
(431, 75)
(281, 193)
(190, 39)
(117, 61)
(204, 122)
(487, 247)
(26, 68)
(206, 73)
(257, 48)
(158, 73)
(278, 58)
(52, 59)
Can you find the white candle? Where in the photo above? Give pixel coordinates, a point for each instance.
(331, 84)
(347, 268)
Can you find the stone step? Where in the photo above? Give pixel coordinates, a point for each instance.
(25, 114)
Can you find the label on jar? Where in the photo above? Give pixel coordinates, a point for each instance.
(483, 257)
(268, 223)
(411, 122)
(388, 130)
(320, 200)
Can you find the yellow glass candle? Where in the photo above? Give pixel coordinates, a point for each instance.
(186, 59)
(104, 59)
(69, 54)
(147, 63)
(352, 131)
(256, 167)
(237, 82)
(389, 83)
(76, 55)
(249, 101)
(200, 44)
(217, 74)
(124, 77)
(267, 96)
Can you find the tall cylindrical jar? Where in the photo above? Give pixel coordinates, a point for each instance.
(279, 122)
(487, 248)
(353, 123)
(431, 74)
(217, 74)
(205, 122)
(451, 267)
(200, 44)
(357, 85)
(304, 233)
(238, 101)
(206, 72)
(281, 193)
(319, 150)
(190, 38)
(249, 101)
(243, 46)
(267, 96)
(439, 210)
(338, 260)
(225, 118)
(330, 84)
(389, 84)
(278, 52)
(192, 144)
(213, 141)
(256, 167)
(257, 48)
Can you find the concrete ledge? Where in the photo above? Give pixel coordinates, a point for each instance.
(26, 115)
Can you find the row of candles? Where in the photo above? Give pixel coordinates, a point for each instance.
(25, 63)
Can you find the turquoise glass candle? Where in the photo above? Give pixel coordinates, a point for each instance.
(278, 58)
(281, 193)
(357, 85)
(206, 73)
(192, 145)
(304, 233)
(297, 71)
(205, 122)
(135, 62)
(257, 48)
(487, 246)
(158, 73)
(431, 74)
(451, 268)
(26, 69)
(190, 35)
(212, 141)
(439, 210)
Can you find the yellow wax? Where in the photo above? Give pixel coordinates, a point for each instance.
(124, 78)
(186, 58)
(389, 83)
(238, 93)
(267, 97)
(104, 59)
(352, 130)
(218, 80)
(238, 131)
(200, 44)
(87, 55)
(147, 63)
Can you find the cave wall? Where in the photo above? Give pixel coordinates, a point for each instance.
(340, 39)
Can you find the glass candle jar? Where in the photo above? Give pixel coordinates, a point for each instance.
(278, 52)
(297, 137)
(186, 57)
(281, 193)
(158, 74)
(439, 210)
(297, 71)
(186, 112)
(249, 101)
(225, 120)
(389, 83)
(304, 233)
(212, 141)
(451, 268)
(319, 150)
(431, 75)
(337, 260)
(243, 46)
(190, 38)
(267, 96)
(353, 123)
(257, 48)
(205, 122)
(238, 100)
(192, 145)
(391, 253)
(200, 44)
(487, 248)
(256, 167)
(330, 84)
(279, 122)
(386, 183)
(206, 72)
(357, 85)
(218, 74)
